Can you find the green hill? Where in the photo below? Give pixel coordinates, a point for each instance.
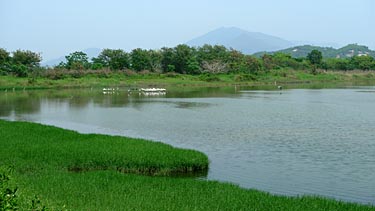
(328, 52)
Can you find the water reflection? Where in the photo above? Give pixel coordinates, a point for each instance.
(19, 103)
(29, 102)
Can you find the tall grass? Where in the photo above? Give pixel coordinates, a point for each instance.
(68, 170)
(30, 146)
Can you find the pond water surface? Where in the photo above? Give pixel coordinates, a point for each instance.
(291, 142)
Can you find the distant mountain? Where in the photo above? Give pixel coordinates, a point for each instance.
(241, 40)
(91, 52)
(328, 52)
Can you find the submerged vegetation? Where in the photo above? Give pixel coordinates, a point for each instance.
(55, 169)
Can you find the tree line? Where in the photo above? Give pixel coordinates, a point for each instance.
(181, 59)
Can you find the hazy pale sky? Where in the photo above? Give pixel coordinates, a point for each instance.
(58, 27)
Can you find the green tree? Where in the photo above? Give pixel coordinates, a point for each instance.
(208, 53)
(4, 61)
(140, 59)
(77, 60)
(237, 61)
(24, 62)
(155, 60)
(28, 58)
(183, 54)
(315, 57)
(114, 59)
(253, 65)
(4, 56)
(283, 60)
(362, 62)
(193, 66)
(338, 64)
(268, 62)
(167, 59)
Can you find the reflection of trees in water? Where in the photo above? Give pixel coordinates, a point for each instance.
(19, 103)
(30, 102)
(200, 92)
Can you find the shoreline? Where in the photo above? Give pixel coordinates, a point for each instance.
(282, 77)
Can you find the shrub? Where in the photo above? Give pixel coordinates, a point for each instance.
(244, 77)
(55, 74)
(209, 77)
(8, 196)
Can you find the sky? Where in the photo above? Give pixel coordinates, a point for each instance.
(57, 28)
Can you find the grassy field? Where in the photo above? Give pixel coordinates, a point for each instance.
(71, 171)
(118, 79)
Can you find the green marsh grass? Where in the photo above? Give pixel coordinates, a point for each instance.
(68, 170)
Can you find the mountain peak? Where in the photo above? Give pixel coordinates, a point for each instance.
(240, 39)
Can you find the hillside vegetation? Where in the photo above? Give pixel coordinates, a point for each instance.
(347, 51)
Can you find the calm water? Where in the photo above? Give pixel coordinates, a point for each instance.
(293, 142)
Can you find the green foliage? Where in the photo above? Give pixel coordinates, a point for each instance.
(193, 66)
(315, 57)
(114, 59)
(171, 68)
(155, 60)
(240, 63)
(236, 61)
(20, 64)
(96, 66)
(182, 59)
(253, 65)
(167, 60)
(183, 54)
(210, 53)
(77, 61)
(19, 70)
(244, 77)
(5, 61)
(8, 194)
(328, 52)
(27, 58)
(362, 62)
(4, 56)
(209, 77)
(337, 64)
(140, 60)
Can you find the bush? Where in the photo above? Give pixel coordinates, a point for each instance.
(55, 74)
(103, 73)
(8, 196)
(244, 77)
(209, 77)
(129, 72)
(77, 73)
(19, 70)
(171, 75)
